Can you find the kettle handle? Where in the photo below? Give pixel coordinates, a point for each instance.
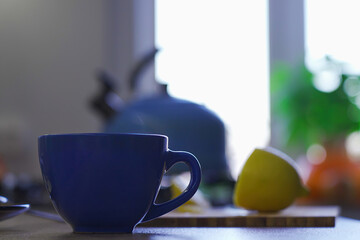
(141, 66)
(173, 157)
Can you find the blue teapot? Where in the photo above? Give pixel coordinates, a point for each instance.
(189, 126)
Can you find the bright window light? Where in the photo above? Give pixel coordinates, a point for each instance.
(331, 29)
(216, 53)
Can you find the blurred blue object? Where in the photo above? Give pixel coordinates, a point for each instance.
(189, 126)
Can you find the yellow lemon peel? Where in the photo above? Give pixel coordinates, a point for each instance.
(269, 182)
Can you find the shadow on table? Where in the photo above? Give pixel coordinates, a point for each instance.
(125, 236)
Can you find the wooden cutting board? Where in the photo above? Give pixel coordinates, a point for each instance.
(295, 216)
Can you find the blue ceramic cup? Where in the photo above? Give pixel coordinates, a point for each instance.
(108, 182)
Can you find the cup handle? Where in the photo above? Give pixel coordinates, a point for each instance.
(172, 157)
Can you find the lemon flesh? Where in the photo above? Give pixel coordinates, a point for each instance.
(268, 182)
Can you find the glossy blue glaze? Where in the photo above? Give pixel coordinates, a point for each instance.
(109, 182)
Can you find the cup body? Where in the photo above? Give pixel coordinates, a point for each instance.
(102, 182)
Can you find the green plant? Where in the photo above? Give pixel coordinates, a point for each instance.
(303, 115)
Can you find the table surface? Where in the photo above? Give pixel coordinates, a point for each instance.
(31, 227)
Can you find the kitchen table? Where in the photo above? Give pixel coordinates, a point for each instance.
(32, 227)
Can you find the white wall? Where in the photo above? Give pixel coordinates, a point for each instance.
(49, 52)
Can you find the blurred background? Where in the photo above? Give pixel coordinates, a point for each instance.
(225, 76)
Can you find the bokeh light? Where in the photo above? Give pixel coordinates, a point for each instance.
(352, 145)
(316, 154)
(327, 80)
(352, 86)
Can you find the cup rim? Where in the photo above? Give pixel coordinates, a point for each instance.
(103, 134)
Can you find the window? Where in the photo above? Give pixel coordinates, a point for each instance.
(216, 53)
(331, 29)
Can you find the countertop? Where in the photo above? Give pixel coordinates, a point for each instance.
(31, 227)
